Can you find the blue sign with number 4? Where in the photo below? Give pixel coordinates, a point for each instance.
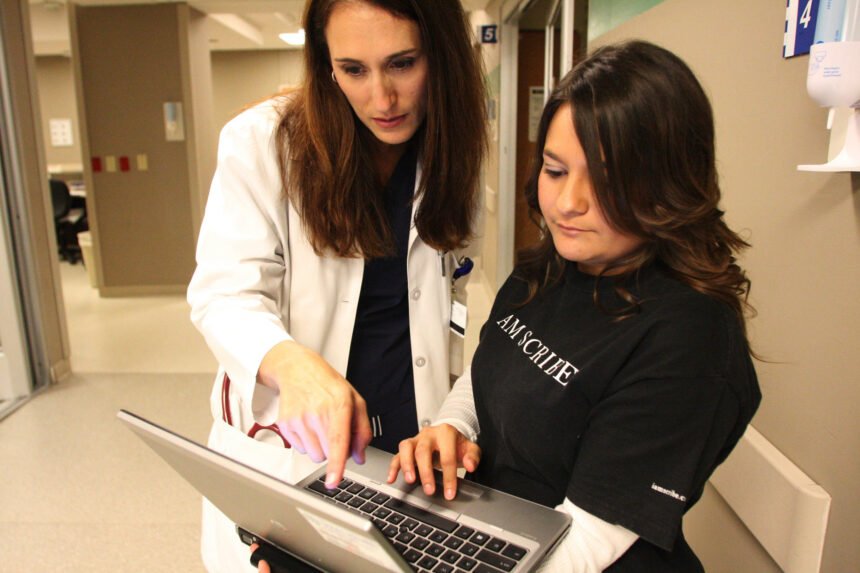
(800, 19)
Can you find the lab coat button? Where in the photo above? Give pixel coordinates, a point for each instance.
(416, 294)
(420, 361)
(425, 422)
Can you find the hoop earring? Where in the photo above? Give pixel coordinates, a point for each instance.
(334, 79)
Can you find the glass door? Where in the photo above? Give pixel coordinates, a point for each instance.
(21, 345)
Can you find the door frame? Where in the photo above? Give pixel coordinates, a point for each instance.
(511, 12)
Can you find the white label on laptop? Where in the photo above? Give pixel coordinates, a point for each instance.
(336, 534)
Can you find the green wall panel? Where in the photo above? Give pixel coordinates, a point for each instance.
(604, 15)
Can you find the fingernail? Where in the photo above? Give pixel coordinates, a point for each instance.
(330, 481)
(449, 493)
(428, 488)
(408, 476)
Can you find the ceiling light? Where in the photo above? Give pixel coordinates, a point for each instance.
(294, 39)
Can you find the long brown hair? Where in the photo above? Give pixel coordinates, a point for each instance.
(647, 130)
(325, 152)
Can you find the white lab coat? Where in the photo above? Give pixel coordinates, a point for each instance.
(258, 282)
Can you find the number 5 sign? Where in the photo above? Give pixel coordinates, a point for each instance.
(489, 34)
(800, 17)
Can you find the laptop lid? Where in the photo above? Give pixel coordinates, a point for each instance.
(334, 537)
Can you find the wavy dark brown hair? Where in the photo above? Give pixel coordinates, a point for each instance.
(647, 130)
(325, 151)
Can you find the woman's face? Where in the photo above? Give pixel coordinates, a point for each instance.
(579, 230)
(380, 67)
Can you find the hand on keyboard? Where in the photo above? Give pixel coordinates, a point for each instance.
(441, 446)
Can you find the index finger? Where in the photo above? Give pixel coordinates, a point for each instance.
(448, 463)
(339, 433)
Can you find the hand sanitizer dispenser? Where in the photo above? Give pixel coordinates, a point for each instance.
(833, 81)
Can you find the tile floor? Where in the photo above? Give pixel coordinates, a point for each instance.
(80, 493)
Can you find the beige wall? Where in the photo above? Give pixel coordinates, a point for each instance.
(804, 228)
(197, 88)
(491, 54)
(240, 78)
(57, 101)
(220, 86)
(131, 63)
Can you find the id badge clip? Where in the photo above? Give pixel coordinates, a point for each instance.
(459, 314)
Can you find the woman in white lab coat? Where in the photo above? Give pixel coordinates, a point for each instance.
(326, 260)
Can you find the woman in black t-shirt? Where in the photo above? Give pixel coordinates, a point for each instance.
(614, 373)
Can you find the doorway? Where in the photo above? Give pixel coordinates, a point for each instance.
(545, 38)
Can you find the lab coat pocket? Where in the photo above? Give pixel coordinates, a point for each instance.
(265, 453)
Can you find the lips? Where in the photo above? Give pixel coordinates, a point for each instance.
(390, 122)
(570, 229)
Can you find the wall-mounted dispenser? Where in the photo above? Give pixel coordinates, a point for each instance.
(833, 81)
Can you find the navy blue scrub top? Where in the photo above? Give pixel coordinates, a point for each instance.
(380, 357)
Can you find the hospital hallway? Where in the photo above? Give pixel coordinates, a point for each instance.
(78, 491)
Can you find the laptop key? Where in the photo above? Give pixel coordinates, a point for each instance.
(464, 532)
(320, 487)
(479, 538)
(355, 488)
(344, 483)
(453, 542)
(450, 556)
(419, 543)
(514, 552)
(496, 560)
(469, 549)
(343, 497)
(495, 544)
(405, 536)
(423, 530)
(401, 549)
(381, 498)
(355, 502)
(443, 568)
(416, 512)
(369, 507)
(484, 568)
(411, 555)
(390, 531)
(368, 493)
(427, 562)
(395, 518)
(438, 536)
(466, 563)
(409, 524)
(382, 513)
(435, 550)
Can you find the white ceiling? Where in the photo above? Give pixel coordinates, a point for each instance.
(235, 24)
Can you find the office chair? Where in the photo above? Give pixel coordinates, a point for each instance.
(68, 222)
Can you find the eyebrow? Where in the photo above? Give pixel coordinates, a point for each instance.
(393, 56)
(552, 155)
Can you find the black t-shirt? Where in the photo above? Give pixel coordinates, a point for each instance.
(626, 418)
(380, 355)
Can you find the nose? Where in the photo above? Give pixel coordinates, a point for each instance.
(575, 196)
(384, 96)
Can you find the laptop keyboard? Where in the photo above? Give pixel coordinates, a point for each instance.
(427, 541)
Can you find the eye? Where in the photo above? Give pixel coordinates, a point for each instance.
(402, 64)
(353, 70)
(552, 172)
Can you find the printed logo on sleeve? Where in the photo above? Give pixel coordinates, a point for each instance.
(670, 492)
(539, 353)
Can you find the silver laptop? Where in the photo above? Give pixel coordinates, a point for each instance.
(365, 524)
